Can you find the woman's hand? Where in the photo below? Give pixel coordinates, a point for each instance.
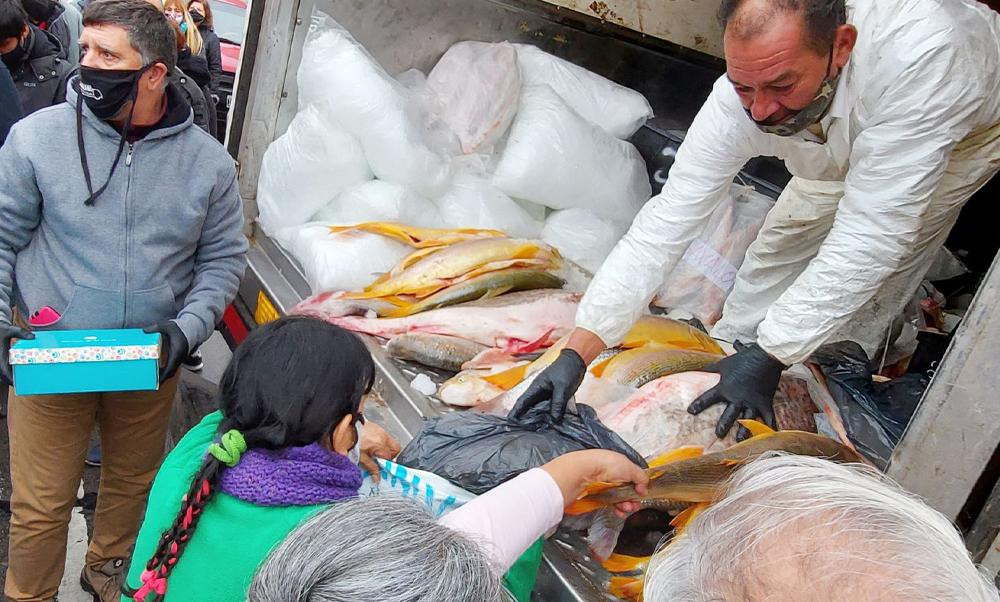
(573, 471)
(376, 443)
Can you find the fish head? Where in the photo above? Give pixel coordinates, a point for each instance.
(467, 390)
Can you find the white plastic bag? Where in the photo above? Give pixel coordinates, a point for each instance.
(618, 110)
(582, 236)
(556, 158)
(473, 202)
(436, 494)
(474, 89)
(346, 261)
(306, 167)
(378, 201)
(706, 273)
(381, 113)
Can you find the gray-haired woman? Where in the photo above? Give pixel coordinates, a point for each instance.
(388, 549)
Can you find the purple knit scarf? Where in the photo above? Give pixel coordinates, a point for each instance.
(295, 476)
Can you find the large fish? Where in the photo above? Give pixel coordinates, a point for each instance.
(434, 350)
(484, 286)
(420, 238)
(647, 330)
(636, 367)
(460, 262)
(701, 478)
(687, 476)
(518, 322)
(655, 419)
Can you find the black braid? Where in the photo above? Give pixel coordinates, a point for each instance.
(174, 540)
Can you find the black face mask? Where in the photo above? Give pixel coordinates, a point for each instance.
(106, 93)
(15, 57)
(197, 17)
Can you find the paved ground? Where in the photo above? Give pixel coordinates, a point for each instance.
(194, 399)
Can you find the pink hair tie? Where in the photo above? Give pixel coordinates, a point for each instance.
(151, 583)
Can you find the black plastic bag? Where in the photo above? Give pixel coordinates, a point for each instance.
(479, 451)
(874, 414)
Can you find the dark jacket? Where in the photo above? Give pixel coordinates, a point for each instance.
(41, 78)
(56, 25)
(213, 52)
(204, 113)
(10, 104)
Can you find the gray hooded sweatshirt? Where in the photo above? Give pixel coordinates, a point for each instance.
(163, 242)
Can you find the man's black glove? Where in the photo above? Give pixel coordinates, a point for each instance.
(7, 333)
(173, 346)
(555, 384)
(747, 383)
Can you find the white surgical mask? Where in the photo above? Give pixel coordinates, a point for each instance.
(355, 454)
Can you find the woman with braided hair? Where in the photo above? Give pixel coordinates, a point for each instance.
(285, 443)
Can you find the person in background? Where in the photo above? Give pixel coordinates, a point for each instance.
(192, 79)
(287, 441)
(172, 266)
(32, 56)
(201, 14)
(74, 23)
(50, 16)
(390, 550)
(178, 12)
(10, 104)
(799, 528)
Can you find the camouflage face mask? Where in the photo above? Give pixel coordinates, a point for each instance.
(809, 115)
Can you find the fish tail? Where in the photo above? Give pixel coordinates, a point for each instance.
(602, 537)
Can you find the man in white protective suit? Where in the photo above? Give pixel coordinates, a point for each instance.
(887, 114)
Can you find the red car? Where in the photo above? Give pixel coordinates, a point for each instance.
(230, 25)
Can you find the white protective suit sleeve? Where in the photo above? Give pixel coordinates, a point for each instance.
(715, 149)
(895, 166)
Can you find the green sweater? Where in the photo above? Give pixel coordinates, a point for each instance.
(234, 537)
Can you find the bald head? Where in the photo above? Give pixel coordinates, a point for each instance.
(747, 19)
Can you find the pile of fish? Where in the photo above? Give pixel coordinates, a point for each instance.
(682, 482)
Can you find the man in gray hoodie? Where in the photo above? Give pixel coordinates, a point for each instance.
(117, 213)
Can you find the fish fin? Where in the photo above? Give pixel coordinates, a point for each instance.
(365, 294)
(687, 515)
(756, 428)
(583, 506)
(626, 588)
(598, 369)
(602, 537)
(681, 453)
(508, 379)
(495, 292)
(623, 563)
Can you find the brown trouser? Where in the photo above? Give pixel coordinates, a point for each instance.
(49, 436)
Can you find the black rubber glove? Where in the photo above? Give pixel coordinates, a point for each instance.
(748, 381)
(173, 346)
(555, 384)
(7, 333)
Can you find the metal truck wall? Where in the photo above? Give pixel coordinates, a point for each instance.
(688, 23)
(407, 34)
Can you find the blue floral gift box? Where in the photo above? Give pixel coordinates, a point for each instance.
(86, 361)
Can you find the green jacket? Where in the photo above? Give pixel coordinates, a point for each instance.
(234, 537)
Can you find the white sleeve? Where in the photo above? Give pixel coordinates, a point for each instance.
(895, 166)
(509, 518)
(713, 152)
